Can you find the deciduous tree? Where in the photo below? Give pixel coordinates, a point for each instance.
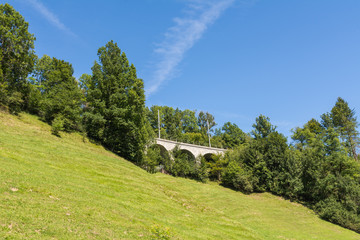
(61, 95)
(232, 135)
(17, 55)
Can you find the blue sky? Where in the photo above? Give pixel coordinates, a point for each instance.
(236, 59)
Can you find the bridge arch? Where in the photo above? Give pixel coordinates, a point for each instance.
(195, 150)
(209, 157)
(163, 151)
(191, 156)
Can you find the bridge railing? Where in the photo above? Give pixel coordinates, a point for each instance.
(198, 143)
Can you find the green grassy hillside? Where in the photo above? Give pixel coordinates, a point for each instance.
(68, 188)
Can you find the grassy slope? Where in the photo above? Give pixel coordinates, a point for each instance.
(64, 188)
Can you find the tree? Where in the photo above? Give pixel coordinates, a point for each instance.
(17, 55)
(61, 95)
(170, 121)
(41, 71)
(344, 120)
(288, 180)
(262, 127)
(314, 126)
(152, 117)
(309, 135)
(85, 84)
(183, 163)
(116, 104)
(189, 121)
(236, 177)
(215, 166)
(204, 119)
(232, 135)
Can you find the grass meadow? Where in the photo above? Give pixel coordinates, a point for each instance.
(69, 188)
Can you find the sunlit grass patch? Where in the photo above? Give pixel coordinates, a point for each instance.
(67, 188)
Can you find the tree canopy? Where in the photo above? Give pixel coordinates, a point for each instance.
(17, 56)
(61, 95)
(115, 112)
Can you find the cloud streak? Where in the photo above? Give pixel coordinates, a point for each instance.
(183, 35)
(50, 16)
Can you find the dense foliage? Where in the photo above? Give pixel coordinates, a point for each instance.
(319, 167)
(191, 127)
(17, 58)
(109, 105)
(115, 112)
(56, 96)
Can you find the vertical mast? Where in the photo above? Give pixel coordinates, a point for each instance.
(208, 132)
(159, 122)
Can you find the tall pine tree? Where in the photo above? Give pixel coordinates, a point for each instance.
(116, 104)
(345, 122)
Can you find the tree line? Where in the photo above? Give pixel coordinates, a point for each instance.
(191, 127)
(319, 167)
(108, 105)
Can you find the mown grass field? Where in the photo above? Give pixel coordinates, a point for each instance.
(69, 188)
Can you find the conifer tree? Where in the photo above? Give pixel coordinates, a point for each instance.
(116, 104)
(345, 122)
(262, 127)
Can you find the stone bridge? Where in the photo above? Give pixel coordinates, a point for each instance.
(195, 150)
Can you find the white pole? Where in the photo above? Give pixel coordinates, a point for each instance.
(159, 122)
(208, 132)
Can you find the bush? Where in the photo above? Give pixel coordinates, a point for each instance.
(334, 211)
(160, 233)
(3, 92)
(230, 172)
(236, 177)
(152, 159)
(181, 166)
(200, 171)
(15, 102)
(33, 99)
(57, 125)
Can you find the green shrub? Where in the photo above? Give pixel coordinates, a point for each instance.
(33, 99)
(335, 212)
(160, 233)
(15, 102)
(200, 170)
(57, 125)
(236, 177)
(152, 159)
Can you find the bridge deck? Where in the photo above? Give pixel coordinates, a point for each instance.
(190, 145)
(195, 150)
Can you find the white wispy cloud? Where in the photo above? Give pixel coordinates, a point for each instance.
(50, 16)
(200, 14)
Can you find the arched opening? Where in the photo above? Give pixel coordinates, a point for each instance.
(209, 157)
(188, 154)
(184, 154)
(157, 159)
(163, 152)
(184, 162)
